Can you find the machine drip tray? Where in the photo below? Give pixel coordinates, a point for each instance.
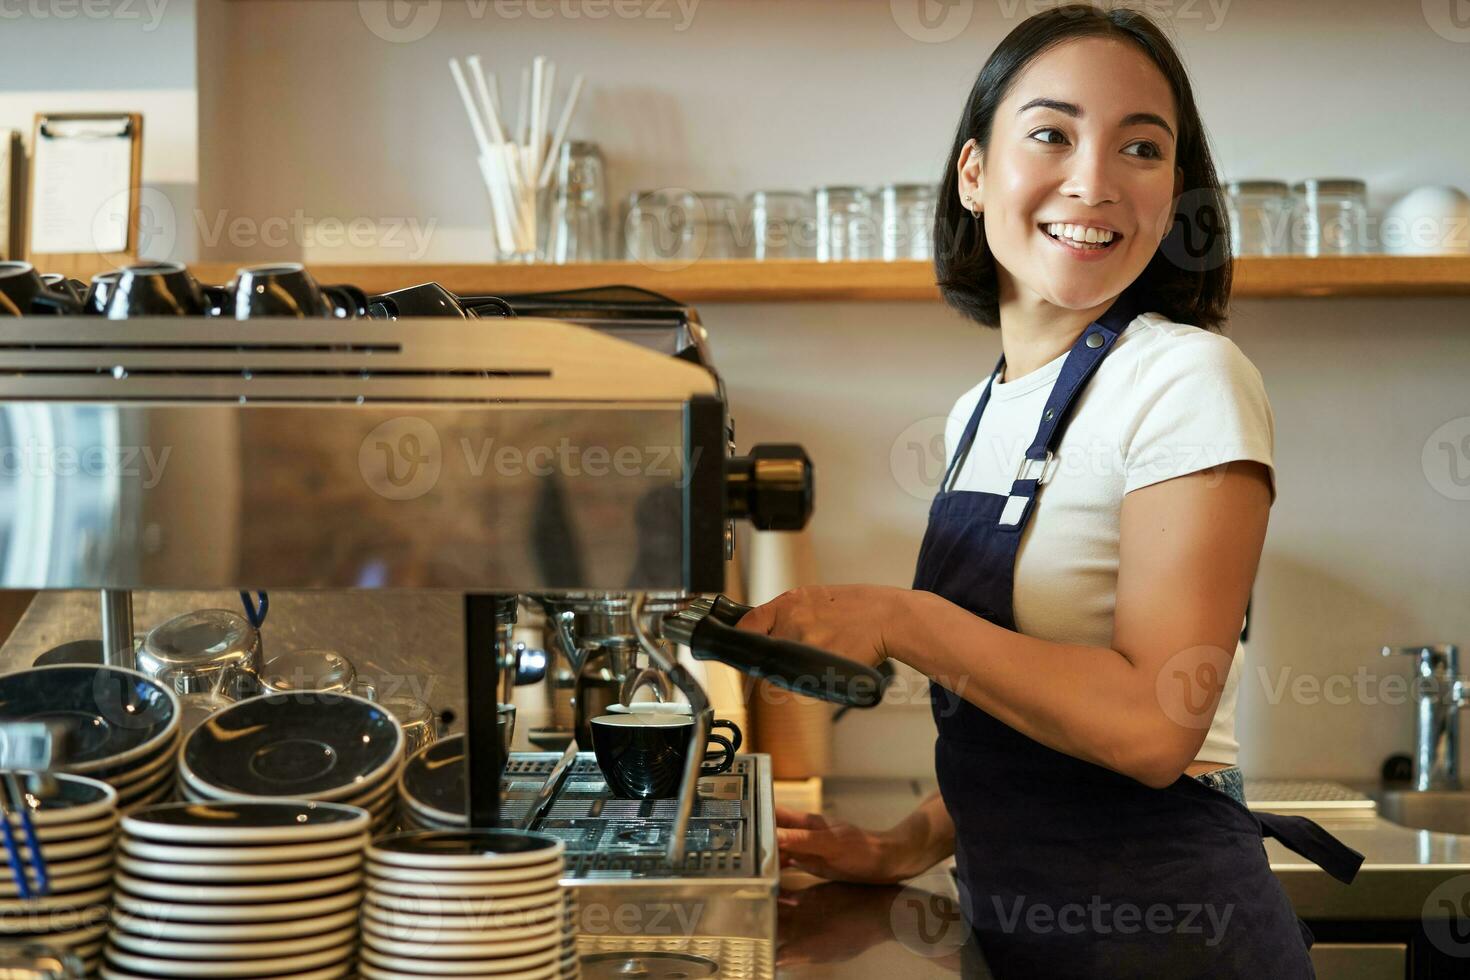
(650, 965)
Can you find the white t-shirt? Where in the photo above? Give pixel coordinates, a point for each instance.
(1168, 399)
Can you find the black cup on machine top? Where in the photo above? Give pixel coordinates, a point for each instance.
(74, 288)
(288, 290)
(642, 754)
(24, 293)
(98, 290)
(425, 299)
(148, 289)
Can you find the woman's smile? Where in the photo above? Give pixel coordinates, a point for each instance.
(1083, 241)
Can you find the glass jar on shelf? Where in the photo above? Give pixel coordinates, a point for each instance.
(653, 227)
(1330, 216)
(714, 226)
(782, 225)
(1260, 215)
(681, 226)
(908, 221)
(579, 215)
(846, 227)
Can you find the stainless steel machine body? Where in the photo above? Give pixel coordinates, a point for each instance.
(495, 456)
(499, 459)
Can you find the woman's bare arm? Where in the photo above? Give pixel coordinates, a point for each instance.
(1188, 555)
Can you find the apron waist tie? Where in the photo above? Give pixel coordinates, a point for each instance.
(1307, 838)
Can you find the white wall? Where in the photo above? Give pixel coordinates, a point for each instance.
(306, 110)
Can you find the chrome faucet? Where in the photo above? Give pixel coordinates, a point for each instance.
(1439, 694)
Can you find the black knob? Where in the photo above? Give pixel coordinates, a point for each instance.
(772, 487)
(1397, 769)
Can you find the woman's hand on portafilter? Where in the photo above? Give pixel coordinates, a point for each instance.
(847, 620)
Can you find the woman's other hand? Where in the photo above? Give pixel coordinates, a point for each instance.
(836, 850)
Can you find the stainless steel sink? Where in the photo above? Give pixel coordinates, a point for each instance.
(1446, 811)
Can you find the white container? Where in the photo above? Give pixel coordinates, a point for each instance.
(1428, 221)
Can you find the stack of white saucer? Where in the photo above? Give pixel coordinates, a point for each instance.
(571, 965)
(75, 821)
(237, 890)
(467, 903)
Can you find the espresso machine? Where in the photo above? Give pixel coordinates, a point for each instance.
(521, 462)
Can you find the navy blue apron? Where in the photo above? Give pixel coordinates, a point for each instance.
(1068, 869)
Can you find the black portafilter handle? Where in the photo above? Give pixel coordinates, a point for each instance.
(707, 627)
(772, 487)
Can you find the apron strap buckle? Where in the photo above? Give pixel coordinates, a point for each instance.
(1030, 475)
(1038, 470)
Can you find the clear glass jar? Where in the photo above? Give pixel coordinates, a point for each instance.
(653, 227)
(846, 228)
(714, 228)
(579, 216)
(782, 225)
(681, 226)
(908, 221)
(1330, 216)
(1260, 214)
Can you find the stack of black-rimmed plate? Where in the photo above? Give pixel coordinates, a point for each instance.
(465, 903)
(244, 889)
(305, 745)
(123, 727)
(431, 794)
(75, 821)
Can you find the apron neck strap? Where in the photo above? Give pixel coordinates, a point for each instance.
(1087, 352)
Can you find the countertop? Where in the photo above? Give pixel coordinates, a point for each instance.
(849, 931)
(414, 641)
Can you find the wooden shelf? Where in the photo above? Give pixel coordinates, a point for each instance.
(745, 281)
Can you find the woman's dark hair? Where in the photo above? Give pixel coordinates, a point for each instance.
(1188, 278)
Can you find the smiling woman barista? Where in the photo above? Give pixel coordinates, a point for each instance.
(1077, 611)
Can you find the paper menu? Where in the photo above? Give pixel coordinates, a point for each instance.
(81, 185)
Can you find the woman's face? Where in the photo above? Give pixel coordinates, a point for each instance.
(1085, 139)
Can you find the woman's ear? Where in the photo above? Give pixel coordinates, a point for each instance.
(971, 173)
